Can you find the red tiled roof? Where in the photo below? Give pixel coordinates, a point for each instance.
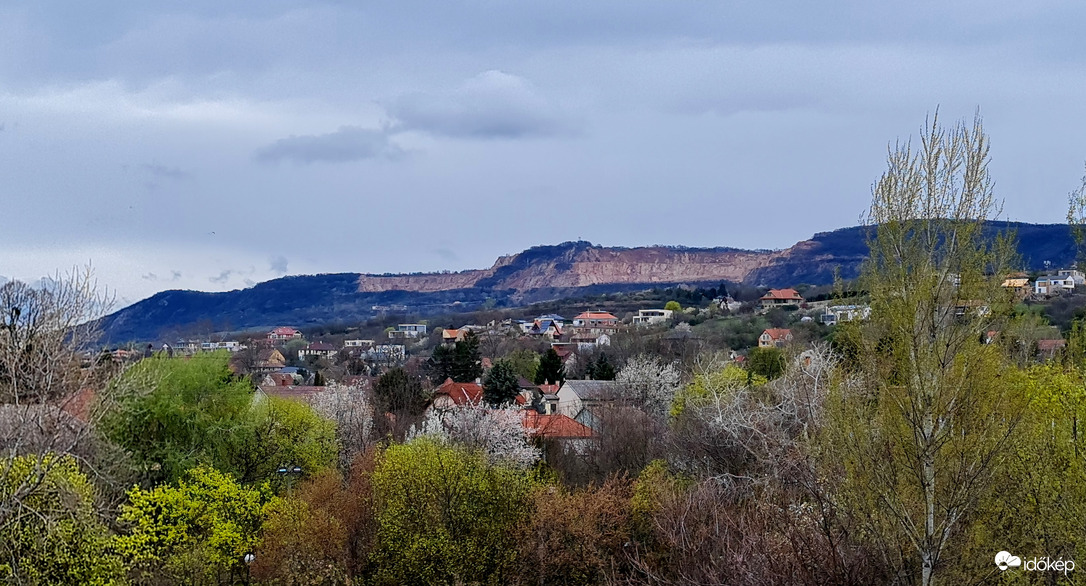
(284, 331)
(777, 333)
(1050, 345)
(595, 315)
(282, 379)
(782, 295)
(460, 393)
(554, 426)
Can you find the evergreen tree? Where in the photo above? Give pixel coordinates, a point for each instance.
(318, 379)
(551, 370)
(397, 391)
(501, 384)
(467, 362)
(600, 368)
(441, 362)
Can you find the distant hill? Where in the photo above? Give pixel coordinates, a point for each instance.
(538, 274)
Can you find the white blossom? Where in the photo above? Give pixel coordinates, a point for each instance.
(499, 433)
(650, 382)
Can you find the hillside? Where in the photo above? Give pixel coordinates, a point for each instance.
(538, 274)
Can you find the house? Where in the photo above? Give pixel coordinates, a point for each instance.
(648, 317)
(388, 353)
(451, 336)
(842, 313)
(561, 321)
(588, 342)
(1076, 276)
(545, 328)
(779, 297)
(317, 350)
(269, 360)
(596, 322)
(1053, 285)
(453, 394)
(775, 338)
(283, 333)
(576, 398)
(229, 345)
(1017, 285)
(358, 343)
(1048, 349)
(412, 331)
(278, 379)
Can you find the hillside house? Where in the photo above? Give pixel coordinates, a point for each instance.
(269, 360)
(1076, 276)
(229, 345)
(452, 336)
(648, 317)
(775, 338)
(317, 350)
(596, 322)
(1053, 285)
(589, 342)
(841, 313)
(358, 343)
(283, 333)
(546, 329)
(779, 297)
(412, 331)
(576, 398)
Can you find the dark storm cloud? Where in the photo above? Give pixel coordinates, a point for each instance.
(349, 143)
(492, 104)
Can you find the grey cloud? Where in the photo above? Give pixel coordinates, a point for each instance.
(492, 104)
(222, 278)
(349, 143)
(446, 255)
(278, 265)
(149, 277)
(175, 275)
(164, 172)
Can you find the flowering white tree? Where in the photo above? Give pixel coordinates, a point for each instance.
(651, 383)
(499, 433)
(352, 412)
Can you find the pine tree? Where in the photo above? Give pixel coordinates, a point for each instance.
(441, 364)
(551, 370)
(501, 385)
(467, 361)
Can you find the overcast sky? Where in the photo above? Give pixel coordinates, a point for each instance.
(209, 145)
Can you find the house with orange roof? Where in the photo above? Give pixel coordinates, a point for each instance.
(779, 297)
(775, 338)
(595, 322)
(453, 394)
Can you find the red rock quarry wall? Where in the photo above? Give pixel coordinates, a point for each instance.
(594, 266)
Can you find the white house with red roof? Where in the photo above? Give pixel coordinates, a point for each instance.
(775, 338)
(283, 333)
(595, 322)
(778, 297)
(318, 349)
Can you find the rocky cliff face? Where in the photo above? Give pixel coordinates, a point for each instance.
(580, 264)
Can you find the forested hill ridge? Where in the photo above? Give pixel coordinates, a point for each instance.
(538, 274)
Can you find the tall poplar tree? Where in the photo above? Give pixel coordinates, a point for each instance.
(918, 428)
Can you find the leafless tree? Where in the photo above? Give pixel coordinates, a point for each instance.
(48, 380)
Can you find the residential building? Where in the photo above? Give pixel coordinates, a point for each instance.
(588, 342)
(283, 333)
(412, 331)
(596, 322)
(358, 343)
(388, 353)
(1053, 285)
(318, 350)
(648, 317)
(229, 345)
(576, 398)
(1076, 276)
(545, 328)
(775, 338)
(269, 360)
(779, 297)
(842, 313)
(453, 394)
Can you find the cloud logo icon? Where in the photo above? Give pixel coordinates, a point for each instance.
(1004, 560)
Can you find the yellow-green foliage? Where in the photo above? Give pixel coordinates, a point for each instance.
(55, 536)
(445, 515)
(706, 387)
(195, 531)
(277, 431)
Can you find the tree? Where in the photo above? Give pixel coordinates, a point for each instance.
(551, 370)
(397, 391)
(440, 366)
(277, 432)
(467, 362)
(197, 531)
(350, 409)
(501, 384)
(600, 368)
(172, 414)
(44, 332)
(673, 306)
(650, 383)
(498, 433)
(55, 535)
(766, 362)
(524, 362)
(911, 432)
(446, 516)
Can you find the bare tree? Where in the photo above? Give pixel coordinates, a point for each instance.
(47, 380)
